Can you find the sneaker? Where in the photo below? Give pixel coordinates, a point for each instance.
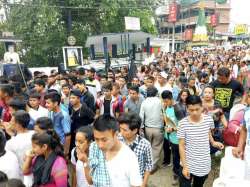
(166, 165)
(175, 180)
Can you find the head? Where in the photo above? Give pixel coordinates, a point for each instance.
(115, 89)
(44, 143)
(3, 177)
(52, 79)
(134, 92)
(171, 80)
(136, 81)
(149, 81)
(6, 91)
(39, 85)
(80, 84)
(20, 120)
(208, 93)
(75, 97)
(66, 89)
(53, 100)
(16, 104)
(2, 141)
(105, 135)
(194, 106)
(122, 82)
(191, 82)
(91, 74)
(107, 89)
(152, 92)
(130, 124)
(182, 97)
(167, 98)
(223, 75)
(43, 124)
(162, 78)
(34, 100)
(84, 136)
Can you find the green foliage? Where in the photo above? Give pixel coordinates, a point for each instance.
(42, 24)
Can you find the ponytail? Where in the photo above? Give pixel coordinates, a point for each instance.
(49, 138)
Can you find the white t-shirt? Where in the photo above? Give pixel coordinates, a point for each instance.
(9, 165)
(81, 180)
(124, 169)
(41, 112)
(19, 145)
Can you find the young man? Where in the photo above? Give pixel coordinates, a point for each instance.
(60, 119)
(106, 104)
(123, 86)
(92, 84)
(111, 162)
(130, 124)
(148, 82)
(40, 88)
(194, 133)
(36, 110)
(65, 95)
(133, 103)
(6, 94)
(8, 160)
(226, 89)
(86, 96)
(171, 124)
(52, 83)
(20, 143)
(80, 113)
(151, 115)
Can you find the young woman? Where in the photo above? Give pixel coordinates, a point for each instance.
(46, 161)
(180, 107)
(79, 156)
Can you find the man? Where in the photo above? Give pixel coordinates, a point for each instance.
(80, 113)
(40, 88)
(151, 115)
(6, 95)
(106, 104)
(52, 83)
(226, 89)
(111, 162)
(123, 86)
(8, 160)
(161, 83)
(20, 143)
(86, 96)
(92, 84)
(133, 103)
(148, 82)
(130, 124)
(60, 119)
(194, 133)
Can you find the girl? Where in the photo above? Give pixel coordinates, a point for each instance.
(79, 156)
(46, 161)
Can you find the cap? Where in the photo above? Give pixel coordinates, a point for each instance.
(76, 92)
(164, 74)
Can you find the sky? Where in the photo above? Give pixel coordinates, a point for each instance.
(240, 12)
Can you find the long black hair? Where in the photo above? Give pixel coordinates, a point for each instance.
(51, 139)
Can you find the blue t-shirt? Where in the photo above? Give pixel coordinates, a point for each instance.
(171, 115)
(62, 124)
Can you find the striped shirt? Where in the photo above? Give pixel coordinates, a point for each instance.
(197, 145)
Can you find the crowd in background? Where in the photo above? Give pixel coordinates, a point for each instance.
(84, 128)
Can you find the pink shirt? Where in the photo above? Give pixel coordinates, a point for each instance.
(59, 174)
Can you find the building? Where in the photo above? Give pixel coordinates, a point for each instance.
(188, 15)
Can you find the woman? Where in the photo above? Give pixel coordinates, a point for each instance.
(172, 87)
(79, 156)
(46, 161)
(213, 108)
(180, 106)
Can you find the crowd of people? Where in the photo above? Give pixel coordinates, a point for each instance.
(82, 128)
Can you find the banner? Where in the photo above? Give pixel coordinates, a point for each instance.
(132, 23)
(172, 17)
(72, 56)
(213, 20)
(240, 29)
(188, 35)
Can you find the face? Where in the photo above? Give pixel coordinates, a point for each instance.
(126, 132)
(167, 102)
(161, 80)
(105, 140)
(149, 83)
(195, 111)
(62, 82)
(136, 81)
(90, 74)
(34, 102)
(171, 81)
(82, 143)
(191, 83)
(50, 105)
(121, 82)
(208, 93)
(133, 94)
(184, 96)
(38, 88)
(38, 149)
(38, 130)
(51, 80)
(107, 92)
(103, 81)
(66, 90)
(222, 79)
(80, 87)
(74, 100)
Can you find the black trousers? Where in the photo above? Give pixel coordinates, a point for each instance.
(176, 158)
(197, 181)
(167, 151)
